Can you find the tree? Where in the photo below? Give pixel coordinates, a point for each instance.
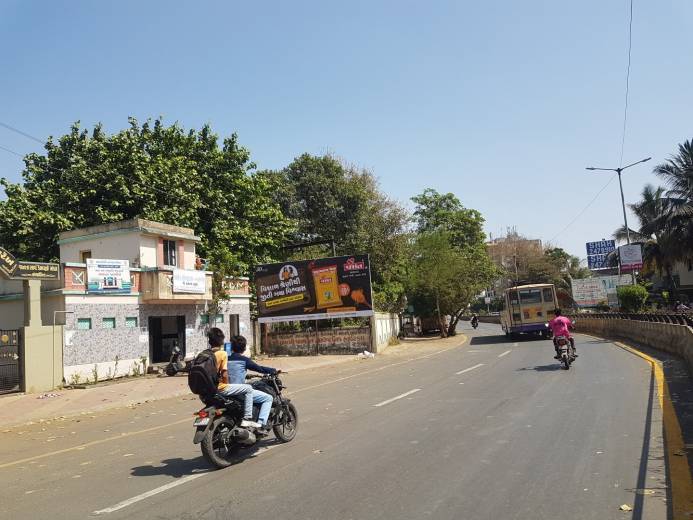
(632, 297)
(451, 265)
(152, 171)
(332, 201)
(444, 212)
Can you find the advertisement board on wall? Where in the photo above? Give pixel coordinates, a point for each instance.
(597, 253)
(631, 257)
(336, 287)
(589, 292)
(108, 276)
(189, 282)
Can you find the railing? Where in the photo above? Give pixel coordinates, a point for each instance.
(678, 318)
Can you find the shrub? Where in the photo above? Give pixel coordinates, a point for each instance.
(632, 297)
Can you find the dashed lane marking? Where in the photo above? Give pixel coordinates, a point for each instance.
(400, 396)
(470, 368)
(505, 353)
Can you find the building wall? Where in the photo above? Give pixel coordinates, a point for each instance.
(188, 255)
(685, 276)
(11, 313)
(148, 248)
(125, 246)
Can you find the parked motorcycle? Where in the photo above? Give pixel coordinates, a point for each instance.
(217, 425)
(178, 363)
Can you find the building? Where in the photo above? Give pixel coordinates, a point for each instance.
(129, 292)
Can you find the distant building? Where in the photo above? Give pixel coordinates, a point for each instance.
(131, 290)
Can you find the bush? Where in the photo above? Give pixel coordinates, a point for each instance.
(632, 297)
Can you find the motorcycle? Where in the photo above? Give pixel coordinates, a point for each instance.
(178, 363)
(217, 425)
(475, 323)
(565, 349)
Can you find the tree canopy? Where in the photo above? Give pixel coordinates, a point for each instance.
(152, 171)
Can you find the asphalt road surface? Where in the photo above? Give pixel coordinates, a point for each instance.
(491, 429)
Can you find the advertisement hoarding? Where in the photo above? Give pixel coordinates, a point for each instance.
(336, 287)
(108, 276)
(189, 281)
(631, 257)
(597, 253)
(589, 292)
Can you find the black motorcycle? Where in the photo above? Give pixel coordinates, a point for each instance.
(218, 427)
(177, 363)
(475, 323)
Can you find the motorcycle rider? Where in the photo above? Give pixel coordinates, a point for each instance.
(475, 320)
(227, 388)
(560, 326)
(238, 365)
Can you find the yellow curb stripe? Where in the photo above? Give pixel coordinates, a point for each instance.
(679, 471)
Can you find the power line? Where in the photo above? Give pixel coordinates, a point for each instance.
(18, 131)
(11, 151)
(625, 107)
(583, 209)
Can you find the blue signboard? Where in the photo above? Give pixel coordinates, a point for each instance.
(603, 247)
(597, 253)
(597, 262)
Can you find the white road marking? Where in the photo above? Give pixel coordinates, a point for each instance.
(405, 394)
(515, 344)
(468, 369)
(505, 353)
(143, 496)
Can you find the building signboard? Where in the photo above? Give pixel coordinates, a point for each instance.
(589, 292)
(8, 263)
(336, 287)
(597, 253)
(36, 271)
(630, 257)
(108, 276)
(189, 281)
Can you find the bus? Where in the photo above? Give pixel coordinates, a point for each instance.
(527, 308)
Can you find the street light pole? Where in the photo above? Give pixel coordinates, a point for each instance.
(623, 200)
(620, 185)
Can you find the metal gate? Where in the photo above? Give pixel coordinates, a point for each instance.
(10, 373)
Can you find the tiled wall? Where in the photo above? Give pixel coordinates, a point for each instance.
(102, 345)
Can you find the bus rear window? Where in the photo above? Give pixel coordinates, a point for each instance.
(530, 296)
(548, 296)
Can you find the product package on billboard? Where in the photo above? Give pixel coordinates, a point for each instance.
(311, 289)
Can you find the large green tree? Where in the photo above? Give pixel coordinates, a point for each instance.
(332, 201)
(152, 171)
(450, 265)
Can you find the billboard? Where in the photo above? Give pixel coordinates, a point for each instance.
(189, 282)
(631, 257)
(108, 276)
(589, 292)
(338, 287)
(597, 253)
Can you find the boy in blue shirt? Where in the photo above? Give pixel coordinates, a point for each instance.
(238, 366)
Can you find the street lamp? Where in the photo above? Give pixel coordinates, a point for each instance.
(620, 184)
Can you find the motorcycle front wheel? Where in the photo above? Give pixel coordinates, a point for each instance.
(287, 423)
(215, 448)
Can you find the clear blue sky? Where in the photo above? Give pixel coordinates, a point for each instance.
(503, 103)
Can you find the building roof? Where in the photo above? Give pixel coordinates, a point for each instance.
(135, 225)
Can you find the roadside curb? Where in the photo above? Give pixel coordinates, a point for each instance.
(677, 460)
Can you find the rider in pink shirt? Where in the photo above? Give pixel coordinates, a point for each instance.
(560, 326)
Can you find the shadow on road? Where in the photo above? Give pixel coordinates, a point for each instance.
(543, 368)
(495, 340)
(179, 467)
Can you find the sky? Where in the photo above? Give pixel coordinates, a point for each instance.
(502, 103)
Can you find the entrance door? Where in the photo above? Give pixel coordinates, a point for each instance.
(165, 333)
(10, 374)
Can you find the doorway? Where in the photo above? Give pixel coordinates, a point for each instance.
(165, 333)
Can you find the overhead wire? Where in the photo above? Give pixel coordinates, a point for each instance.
(623, 131)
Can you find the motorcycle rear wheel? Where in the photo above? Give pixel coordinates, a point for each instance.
(285, 429)
(566, 362)
(214, 449)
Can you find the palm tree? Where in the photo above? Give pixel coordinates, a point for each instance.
(659, 246)
(677, 173)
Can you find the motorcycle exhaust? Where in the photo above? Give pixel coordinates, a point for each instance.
(243, 436)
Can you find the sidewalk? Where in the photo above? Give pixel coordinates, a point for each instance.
(16, 409)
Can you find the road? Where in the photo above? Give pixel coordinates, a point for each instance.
(491, 429)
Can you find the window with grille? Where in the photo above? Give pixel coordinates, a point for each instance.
(83, 323)
(170, 253)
